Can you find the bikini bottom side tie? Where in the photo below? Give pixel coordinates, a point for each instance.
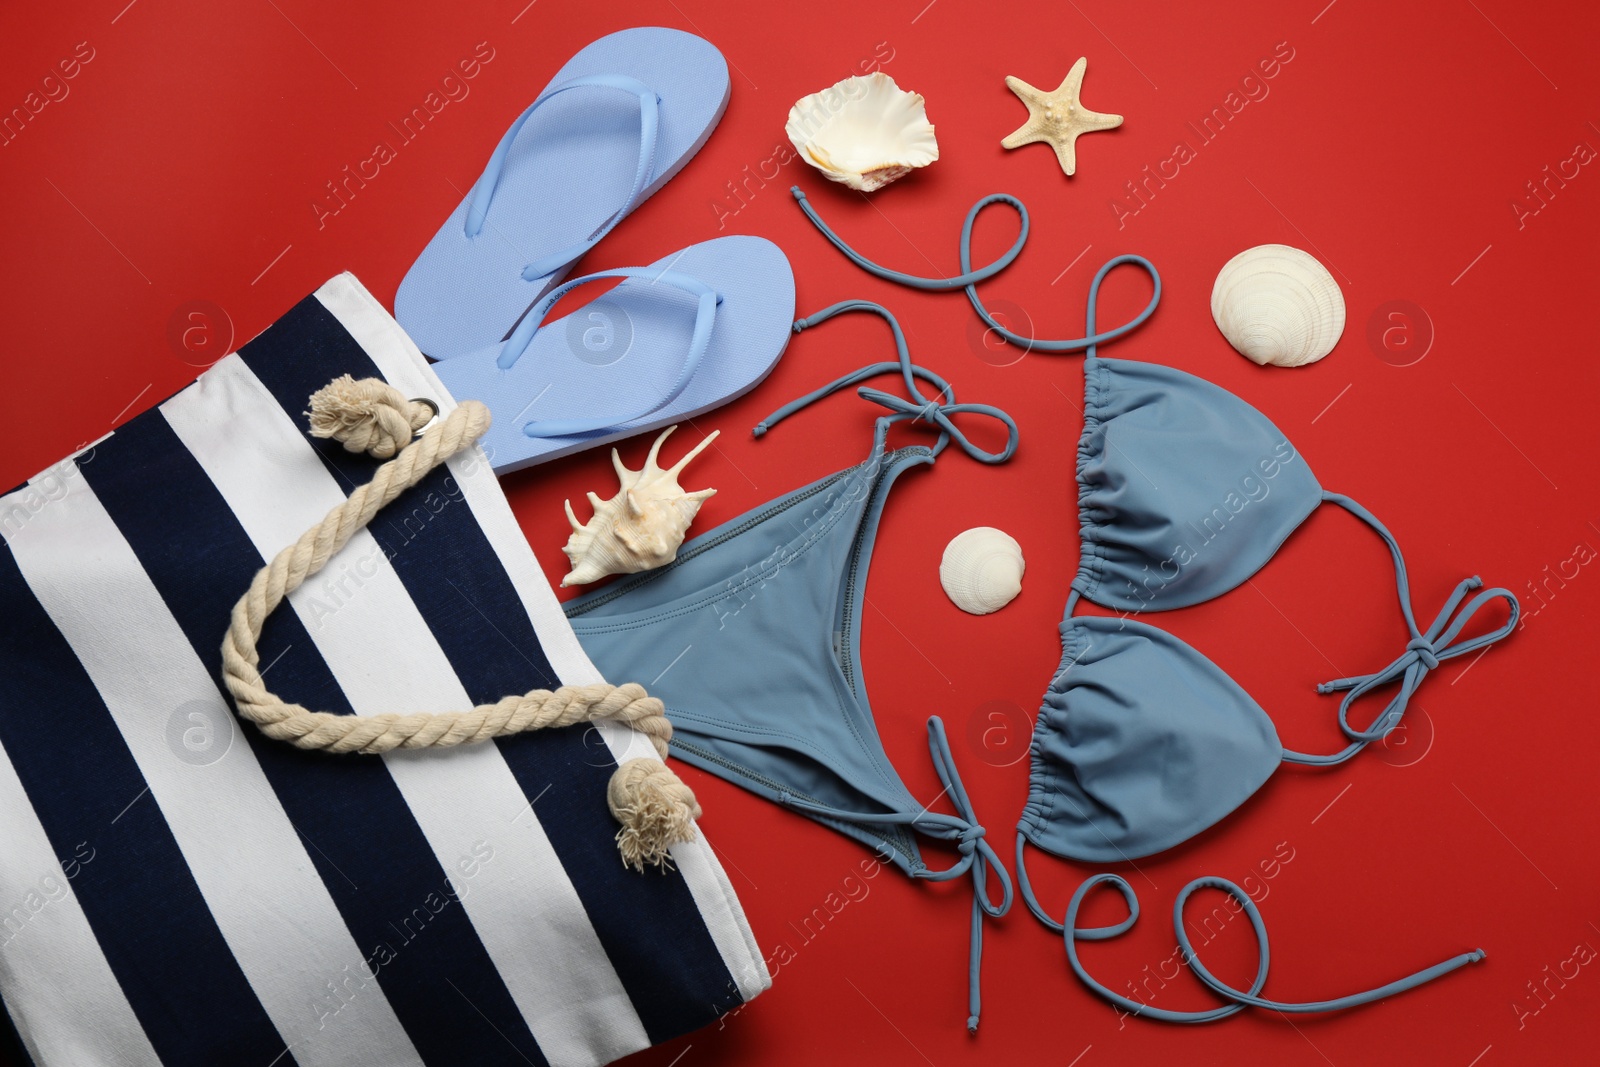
(978, 857)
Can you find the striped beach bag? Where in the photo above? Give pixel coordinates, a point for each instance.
(178, 888)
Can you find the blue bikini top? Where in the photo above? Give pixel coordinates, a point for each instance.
(1184, 492)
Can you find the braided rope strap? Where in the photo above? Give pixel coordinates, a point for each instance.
(656, 809)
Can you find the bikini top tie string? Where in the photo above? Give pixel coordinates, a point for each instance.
(1423, 653)
(937, 412)
(969, 278)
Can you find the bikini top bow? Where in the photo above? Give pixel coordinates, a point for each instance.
(1424, 652)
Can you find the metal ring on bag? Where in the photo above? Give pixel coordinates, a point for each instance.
(432, 407)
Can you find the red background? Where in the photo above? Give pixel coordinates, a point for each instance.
(183, 165)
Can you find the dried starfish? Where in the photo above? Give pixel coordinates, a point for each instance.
(1058, 117)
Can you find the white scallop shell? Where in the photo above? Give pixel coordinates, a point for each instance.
(981, 570)
(642, 526)
(1277, 305)
(864, 132)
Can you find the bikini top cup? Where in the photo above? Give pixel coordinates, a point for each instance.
(751, 638)
(1185, 491)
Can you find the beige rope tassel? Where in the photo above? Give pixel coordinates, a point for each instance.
(654, 807)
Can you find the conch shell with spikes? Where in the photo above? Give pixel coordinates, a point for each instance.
(642, 526)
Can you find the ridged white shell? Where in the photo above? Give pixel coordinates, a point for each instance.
(981, 570)
(1277, 305)
(642, 526)
(864, 132)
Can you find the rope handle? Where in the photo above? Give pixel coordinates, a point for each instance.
(655, 808)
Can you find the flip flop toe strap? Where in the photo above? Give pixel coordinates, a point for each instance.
(649, 126)
(516, 346)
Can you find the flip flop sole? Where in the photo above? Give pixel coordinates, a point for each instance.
(622, 351)
(566, 174)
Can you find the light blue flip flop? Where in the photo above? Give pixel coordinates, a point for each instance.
(675, 339)
(621, 118)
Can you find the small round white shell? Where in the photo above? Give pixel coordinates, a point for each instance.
(981, 570)
(863, 132)
(1278, 306)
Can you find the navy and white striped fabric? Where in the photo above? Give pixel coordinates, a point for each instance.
(176, 889)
